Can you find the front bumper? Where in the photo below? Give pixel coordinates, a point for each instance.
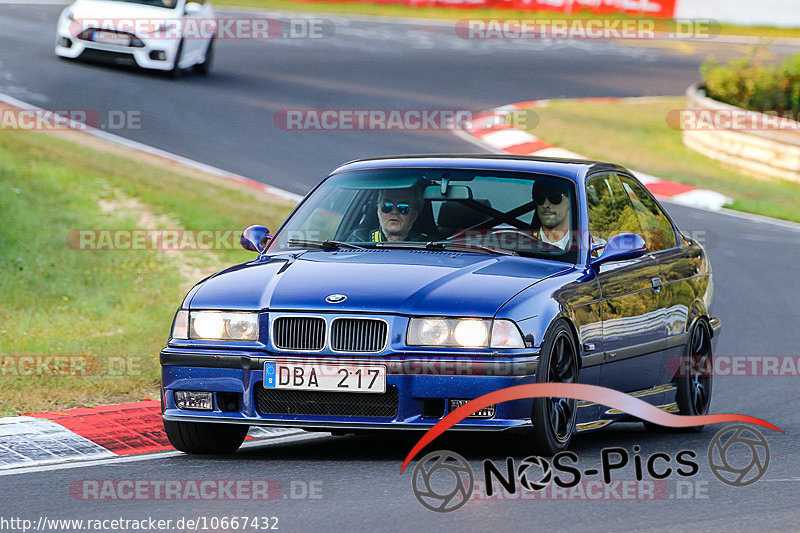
(420, 384)
(68, 45)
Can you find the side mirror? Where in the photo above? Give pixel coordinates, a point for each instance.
(621, 247)
(192, 8)
(255, 238)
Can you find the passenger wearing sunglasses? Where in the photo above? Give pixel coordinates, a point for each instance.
(398, 209)
(554, 212)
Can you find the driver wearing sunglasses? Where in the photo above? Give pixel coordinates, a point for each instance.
(554, 212)
(397, 209)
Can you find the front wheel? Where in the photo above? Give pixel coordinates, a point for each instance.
(205, 437)
(554, 418)
(175, 72)
(205, 67)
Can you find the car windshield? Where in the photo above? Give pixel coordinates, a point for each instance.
(503, 212)
(169, 4)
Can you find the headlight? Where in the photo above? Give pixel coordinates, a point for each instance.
(463, 333)
(215, 325)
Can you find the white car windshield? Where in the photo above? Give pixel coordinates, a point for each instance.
(169, 4)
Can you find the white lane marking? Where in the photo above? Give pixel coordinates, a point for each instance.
(155, 455)
(506, 138)
(794, 226)
(27, 441)
(133, 145)
(468, 137)
(702, 198)
(555, 151)
(750, 217)
(645, 178)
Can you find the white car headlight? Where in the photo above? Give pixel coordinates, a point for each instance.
(216, 325)
(463, 333)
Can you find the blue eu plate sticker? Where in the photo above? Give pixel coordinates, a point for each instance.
(269, 375)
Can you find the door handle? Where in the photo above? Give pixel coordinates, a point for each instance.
(656, 282)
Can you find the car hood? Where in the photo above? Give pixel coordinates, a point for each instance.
(407, 282)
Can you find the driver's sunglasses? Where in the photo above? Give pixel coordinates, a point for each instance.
(403, 209)
(552, 197)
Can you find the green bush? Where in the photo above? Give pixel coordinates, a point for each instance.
(746, 83)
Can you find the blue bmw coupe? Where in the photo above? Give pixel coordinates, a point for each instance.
(402, 287)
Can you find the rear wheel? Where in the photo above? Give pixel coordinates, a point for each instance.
(554, 418)
(205, 437)
(694, 381)
(694, 391)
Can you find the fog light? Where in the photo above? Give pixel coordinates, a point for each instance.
(486, 412)
(65, 42)
(158, 55)
(202, 401)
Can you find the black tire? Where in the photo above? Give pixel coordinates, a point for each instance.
(205, 437)
(175, 72)
(693, 395)
(554, 419)
(204, 68)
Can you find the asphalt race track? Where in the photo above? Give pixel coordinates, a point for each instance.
(226, 121)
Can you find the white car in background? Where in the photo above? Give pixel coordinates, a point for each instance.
(167, 35)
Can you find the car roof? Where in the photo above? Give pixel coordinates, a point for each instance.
(575, 169)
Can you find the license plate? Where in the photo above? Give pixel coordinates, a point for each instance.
(109, 37)
(324, 376)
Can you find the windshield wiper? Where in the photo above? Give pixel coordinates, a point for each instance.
(446, 245)
(323, 245)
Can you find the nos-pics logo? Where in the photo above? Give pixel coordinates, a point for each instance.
(443, 481)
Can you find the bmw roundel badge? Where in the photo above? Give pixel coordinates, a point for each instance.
(336, 298)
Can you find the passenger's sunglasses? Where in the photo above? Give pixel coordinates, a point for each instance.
(552, 197)
(388, 207)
